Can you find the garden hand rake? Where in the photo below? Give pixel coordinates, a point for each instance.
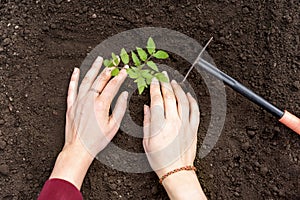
(284, 117)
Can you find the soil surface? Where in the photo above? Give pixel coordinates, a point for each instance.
(257, 42)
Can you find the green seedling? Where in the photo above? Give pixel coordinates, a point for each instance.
(141, 68)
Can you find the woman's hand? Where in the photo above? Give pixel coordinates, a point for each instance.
(89, 128)
(88, 111)
(170, 138)
(170, 127)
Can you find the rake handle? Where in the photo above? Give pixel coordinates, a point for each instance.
(284, 117)
(291, 121)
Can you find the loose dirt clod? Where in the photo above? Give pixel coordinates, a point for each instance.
(296, 84)
(4, 169)
(264, 170)
(2, 144)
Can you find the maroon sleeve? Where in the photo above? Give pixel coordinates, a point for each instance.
(59, 189)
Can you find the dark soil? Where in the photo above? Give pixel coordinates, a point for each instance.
(255, 41)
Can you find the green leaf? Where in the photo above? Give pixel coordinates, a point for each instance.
(108, 63)
(115, 72)
(115, 59)
(161, 54)
(141, 89)
(132, 74)
(135, 69)
(149, 80)
(146, 74)
(116, 62)
(150, 46)
(141, 84)
(124, 56)
(152, 65)
(135, 59)
(142, 54)
(140, 80)
(113, 55)
(161, 77)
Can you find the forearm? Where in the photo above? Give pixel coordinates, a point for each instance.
(71, 166)
(183, 185)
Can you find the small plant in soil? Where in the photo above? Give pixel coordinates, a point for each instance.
(141, 68)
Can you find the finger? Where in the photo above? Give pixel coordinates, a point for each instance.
(157, 104)
(73, 86)
(146, 127)
(194, 112)
(182, 101)
(169, 99)
(102, 80)
(90, 77)
(147, 121)
(110, 91)
(119, 110)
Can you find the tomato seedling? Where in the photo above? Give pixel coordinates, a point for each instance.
(143, 69)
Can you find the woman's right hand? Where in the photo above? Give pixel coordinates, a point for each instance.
(170, 138)
(170, 127)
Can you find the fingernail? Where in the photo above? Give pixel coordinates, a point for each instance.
(166, 74)
(99, 58)
(174, 82)
(76, 70)
(125, 94)
(146, 109)
(189, 94)
(123, 71)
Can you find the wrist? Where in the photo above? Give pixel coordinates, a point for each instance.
(178, 178)
(166, 170)
(72, 164)
(183, 185)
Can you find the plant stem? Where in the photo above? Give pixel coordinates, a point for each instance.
(145, 62)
